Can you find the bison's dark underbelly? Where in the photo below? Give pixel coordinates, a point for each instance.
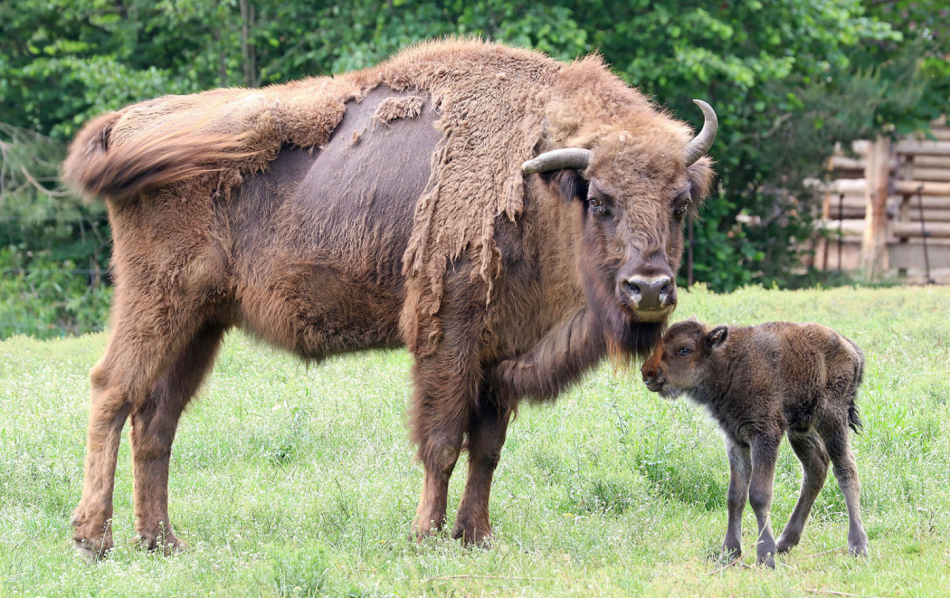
(318, 238)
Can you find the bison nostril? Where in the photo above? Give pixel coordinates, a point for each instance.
(667, 289)
(631, 289)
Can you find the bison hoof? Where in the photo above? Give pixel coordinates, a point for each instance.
(422, 531)
(93, 551)
(91, 541)
(166, 542)
(472, 535)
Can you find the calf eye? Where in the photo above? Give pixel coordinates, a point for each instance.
(684, 352)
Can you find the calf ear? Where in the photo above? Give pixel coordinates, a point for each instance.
(716, 337)
(567, 183)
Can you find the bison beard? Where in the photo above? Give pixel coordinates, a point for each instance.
(382, 208)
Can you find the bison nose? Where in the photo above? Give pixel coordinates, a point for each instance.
(649, 293)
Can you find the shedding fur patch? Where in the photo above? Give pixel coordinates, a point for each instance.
(392, 109)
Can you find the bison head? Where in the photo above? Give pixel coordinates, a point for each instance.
(636, 187)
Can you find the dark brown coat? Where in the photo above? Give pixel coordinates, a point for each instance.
(759, 382)
(381, 208)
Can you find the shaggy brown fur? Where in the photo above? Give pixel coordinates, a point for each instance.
(392, 108)
(288, 212)
(761, 381)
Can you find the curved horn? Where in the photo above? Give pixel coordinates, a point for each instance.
(571, 157)
(698, 147)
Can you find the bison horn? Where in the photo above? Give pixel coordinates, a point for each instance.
(570, 157)
(698, 147)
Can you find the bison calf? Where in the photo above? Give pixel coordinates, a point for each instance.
(761, 381)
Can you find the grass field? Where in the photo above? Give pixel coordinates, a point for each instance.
(298, 481)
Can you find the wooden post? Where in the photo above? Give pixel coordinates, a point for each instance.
(874, 244)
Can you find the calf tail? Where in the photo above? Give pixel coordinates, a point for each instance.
(854, 418)
(95, 168)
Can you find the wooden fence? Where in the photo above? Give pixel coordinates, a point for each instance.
(888, 209)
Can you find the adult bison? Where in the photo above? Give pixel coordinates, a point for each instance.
(509, 218)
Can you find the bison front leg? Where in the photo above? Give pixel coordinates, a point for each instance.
(445, 391)
(486, 436)
(153, 430)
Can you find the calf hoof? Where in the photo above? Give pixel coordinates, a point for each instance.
(732, 550)
(858, 546)
(471, 534)
(785, 544)
(765, 555)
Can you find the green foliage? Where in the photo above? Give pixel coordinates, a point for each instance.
(788, 78)
(53, 249)
(610, 491)
(47, 298)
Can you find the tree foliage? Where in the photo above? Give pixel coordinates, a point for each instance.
(788, 78)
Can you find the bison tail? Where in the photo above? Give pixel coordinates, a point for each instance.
(94, 168)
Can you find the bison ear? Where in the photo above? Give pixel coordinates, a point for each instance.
(716, 337)
(568, 183)
(700, 177)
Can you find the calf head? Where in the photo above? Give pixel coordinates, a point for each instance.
(681, 360)
(636, 185)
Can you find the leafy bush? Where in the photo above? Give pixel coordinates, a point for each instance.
(46, 298)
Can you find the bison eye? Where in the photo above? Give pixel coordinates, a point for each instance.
(596, 207)
(684, 352)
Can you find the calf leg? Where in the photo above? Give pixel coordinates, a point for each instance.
(486, 436)
(153, 430)
(846, 470)
(146, 338)
(764, 454)
(740, 474)
(811, 452)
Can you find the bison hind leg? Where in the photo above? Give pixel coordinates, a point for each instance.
(150, 331)
(154, 424)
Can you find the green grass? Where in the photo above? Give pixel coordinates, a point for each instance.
(296, 481)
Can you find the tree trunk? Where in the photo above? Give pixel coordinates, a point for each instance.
(248, 51)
